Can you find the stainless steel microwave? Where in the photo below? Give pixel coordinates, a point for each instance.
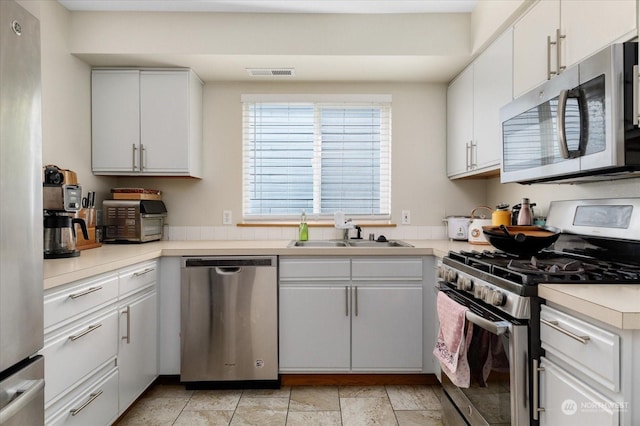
(581, 125)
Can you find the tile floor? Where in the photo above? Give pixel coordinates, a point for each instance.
(400, 405)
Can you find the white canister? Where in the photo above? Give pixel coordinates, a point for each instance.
(457, 227)
(476, 236)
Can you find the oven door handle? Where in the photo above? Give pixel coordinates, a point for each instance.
(498, 328)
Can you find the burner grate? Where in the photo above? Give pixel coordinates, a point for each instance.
(548, 266)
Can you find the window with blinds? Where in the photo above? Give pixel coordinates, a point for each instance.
(318, 156)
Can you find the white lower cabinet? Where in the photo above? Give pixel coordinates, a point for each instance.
(77, 350)
(587, 375)
(92, 374)
(137, 353)
(568, 401)
(93, 402)
(314, 328)
(387, 328)
(359, 315)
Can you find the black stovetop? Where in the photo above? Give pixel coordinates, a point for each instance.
(549, 267)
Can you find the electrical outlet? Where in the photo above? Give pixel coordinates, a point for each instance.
(227, 217)
(406, 217)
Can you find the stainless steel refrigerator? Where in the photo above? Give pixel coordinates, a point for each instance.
(21, 285)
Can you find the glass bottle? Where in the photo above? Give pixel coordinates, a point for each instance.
(525, 217)
(303, 234)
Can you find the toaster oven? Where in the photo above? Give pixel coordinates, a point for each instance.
(133, 221)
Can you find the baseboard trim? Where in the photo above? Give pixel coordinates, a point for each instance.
(321, 379)
(357, 379)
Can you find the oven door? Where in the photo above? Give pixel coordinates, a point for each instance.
(499, 390)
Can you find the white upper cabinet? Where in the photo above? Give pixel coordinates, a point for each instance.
(533, 56)
(493, 88)
(592, 25)
(146, 122)
(555, 34)
(474, 99)
(459, 123)
(115, 121)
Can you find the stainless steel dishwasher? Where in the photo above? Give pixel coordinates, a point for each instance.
(229, 322)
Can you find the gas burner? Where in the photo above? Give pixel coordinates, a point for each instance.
(550, 267)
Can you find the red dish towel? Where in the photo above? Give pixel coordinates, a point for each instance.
(453, 340)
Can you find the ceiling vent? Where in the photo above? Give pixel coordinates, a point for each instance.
(269, 72)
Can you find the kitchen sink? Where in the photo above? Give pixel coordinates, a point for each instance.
(369, 243)
(318, 243)
(350, 243)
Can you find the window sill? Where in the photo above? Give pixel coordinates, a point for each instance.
(312, 225)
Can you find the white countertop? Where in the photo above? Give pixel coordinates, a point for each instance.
(114, 256)
(616, 305)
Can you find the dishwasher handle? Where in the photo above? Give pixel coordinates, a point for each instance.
(228, 270)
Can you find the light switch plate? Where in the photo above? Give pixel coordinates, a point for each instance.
(227, 217)
(406, 217)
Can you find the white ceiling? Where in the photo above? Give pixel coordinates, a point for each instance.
(308, 68)
(276, 6)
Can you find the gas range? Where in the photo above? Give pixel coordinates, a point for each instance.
(599, 244)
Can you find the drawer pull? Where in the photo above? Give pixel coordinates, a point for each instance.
(555, 326)
(84, 293)
(146, 271)
(92, 397)
(84, 333)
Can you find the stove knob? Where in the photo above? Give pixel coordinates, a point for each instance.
(497, 298)
(465, 283)
(452, 276)
(442, 271)
(478, 291)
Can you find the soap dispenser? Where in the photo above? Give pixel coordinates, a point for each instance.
(303, 234)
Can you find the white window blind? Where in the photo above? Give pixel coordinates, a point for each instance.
(320, 157)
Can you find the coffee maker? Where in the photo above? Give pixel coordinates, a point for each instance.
(61, 200)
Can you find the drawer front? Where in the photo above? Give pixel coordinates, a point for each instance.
(79, 297)
(322, 269)
(138, 276)
(568, 401)
(597, 355)
(75, 351)
(94, 403)
(387, 269)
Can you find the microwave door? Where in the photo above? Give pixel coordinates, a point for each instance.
(531, 132)
(603, 84)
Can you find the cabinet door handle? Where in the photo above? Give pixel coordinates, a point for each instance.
(127, 312)
(536, 389)
(549, 44)
(146, 271)
(346, 300)
(133, 158)
(474, 155)
(559, 38)
(142, 157)
(356, 299)
(92, 397)
(84, 293)
(85, 332)
(554, 324)
(468, 156)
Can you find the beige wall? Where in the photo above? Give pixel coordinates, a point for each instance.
(543, 194)
(419, 182)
